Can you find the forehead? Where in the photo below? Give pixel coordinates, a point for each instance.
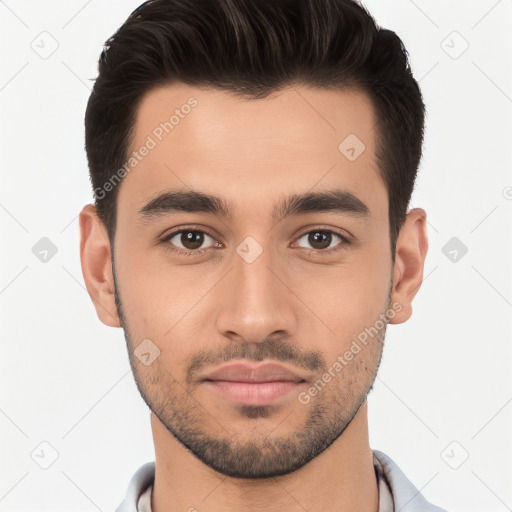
(250, 150)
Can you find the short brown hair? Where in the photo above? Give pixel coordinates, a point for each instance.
(252, 48)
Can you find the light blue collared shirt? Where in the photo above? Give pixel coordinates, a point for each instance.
(396, 491)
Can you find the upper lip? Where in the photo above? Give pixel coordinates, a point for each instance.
(245, 372)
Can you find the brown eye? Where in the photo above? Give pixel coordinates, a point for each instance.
(322, 240)
(188, 239)
(192, 239)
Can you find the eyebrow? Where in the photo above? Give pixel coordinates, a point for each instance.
(334, 201)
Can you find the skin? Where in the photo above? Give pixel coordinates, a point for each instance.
(289, 305)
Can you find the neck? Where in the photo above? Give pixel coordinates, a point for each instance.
(342, 478)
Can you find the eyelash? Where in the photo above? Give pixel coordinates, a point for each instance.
(321, 252)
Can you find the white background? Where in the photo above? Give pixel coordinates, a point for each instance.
(445, 378)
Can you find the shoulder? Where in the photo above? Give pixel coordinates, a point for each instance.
(406, 496)
(140, 481)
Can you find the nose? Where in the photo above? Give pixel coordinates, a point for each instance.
(255, 301)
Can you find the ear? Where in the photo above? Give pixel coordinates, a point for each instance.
(410, 254)
(96, 265)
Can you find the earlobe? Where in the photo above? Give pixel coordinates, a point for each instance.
(97, 266)
(411, 251)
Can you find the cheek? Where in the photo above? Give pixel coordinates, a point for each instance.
(348, 294)
(163, 303)
(347, 301)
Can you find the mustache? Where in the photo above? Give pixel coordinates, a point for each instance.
(271, 348)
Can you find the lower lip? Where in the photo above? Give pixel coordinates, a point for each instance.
(253, 393)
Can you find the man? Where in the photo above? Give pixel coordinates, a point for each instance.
(252, 164)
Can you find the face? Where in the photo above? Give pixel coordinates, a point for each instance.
(247, 233)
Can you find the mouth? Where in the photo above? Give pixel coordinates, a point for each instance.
(253, 393)
(247, 384)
